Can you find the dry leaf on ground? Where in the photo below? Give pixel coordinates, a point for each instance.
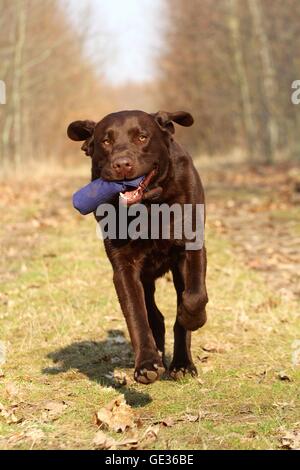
(9, 414)
(33, 435)
(12, 391)
(203, 358)
(116, 416)
(199, 381)
(104, 442)
(149, 436)
(53, 409)
(284, 377)
(167, 422)
(122, 379)
(191, 418)
(291, 440)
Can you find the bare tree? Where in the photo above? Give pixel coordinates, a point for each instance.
(269, 82)
(49, 78)
(242, 78)
(231, 63)
(21, 20)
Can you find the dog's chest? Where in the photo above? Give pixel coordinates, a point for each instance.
(159, 258)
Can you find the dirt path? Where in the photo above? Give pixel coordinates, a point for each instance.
(67, 348)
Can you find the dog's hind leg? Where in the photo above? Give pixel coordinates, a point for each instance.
(155, 318)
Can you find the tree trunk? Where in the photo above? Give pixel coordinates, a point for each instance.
(242, 78)
(17, 78)
(268, 79)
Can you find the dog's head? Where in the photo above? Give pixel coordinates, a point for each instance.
(128, 144)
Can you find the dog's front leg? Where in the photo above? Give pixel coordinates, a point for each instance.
(148, 363)
(191, 311)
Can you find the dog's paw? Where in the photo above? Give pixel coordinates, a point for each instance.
(148, 372)
(177, 372)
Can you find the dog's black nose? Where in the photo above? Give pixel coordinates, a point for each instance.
(123, 166)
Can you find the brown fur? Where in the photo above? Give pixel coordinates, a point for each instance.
(145, 141)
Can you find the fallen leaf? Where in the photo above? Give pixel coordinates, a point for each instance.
(129, 443)
(53, 410)
(116, 416)
(290, 440)
(55, 407)
(34, 435)
(103, 417)
(2, 373)
(262, 375)
(284, 404)
(122, 379)
(191, 418)
(103, 442)
(149, 436)
(16, 437)
(284, 377)
(203, 358)
(251, 434)
(12, 390)
(167, 422)
(9, 415)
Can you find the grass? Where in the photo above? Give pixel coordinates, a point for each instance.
(60, 319)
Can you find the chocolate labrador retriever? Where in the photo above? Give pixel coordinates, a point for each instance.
(125, 145)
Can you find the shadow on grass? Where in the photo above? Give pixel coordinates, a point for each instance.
(97, 360)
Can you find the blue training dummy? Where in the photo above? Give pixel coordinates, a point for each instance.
(99, 191)
(88, 198)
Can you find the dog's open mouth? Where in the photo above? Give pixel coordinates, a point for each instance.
(132, 197)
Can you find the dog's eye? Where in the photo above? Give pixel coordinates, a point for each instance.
(105, 142)
(142, 138)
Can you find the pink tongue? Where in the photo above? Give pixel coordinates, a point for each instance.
(132, 197)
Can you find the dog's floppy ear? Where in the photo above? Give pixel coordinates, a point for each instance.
(81, 130)
(165, 119)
